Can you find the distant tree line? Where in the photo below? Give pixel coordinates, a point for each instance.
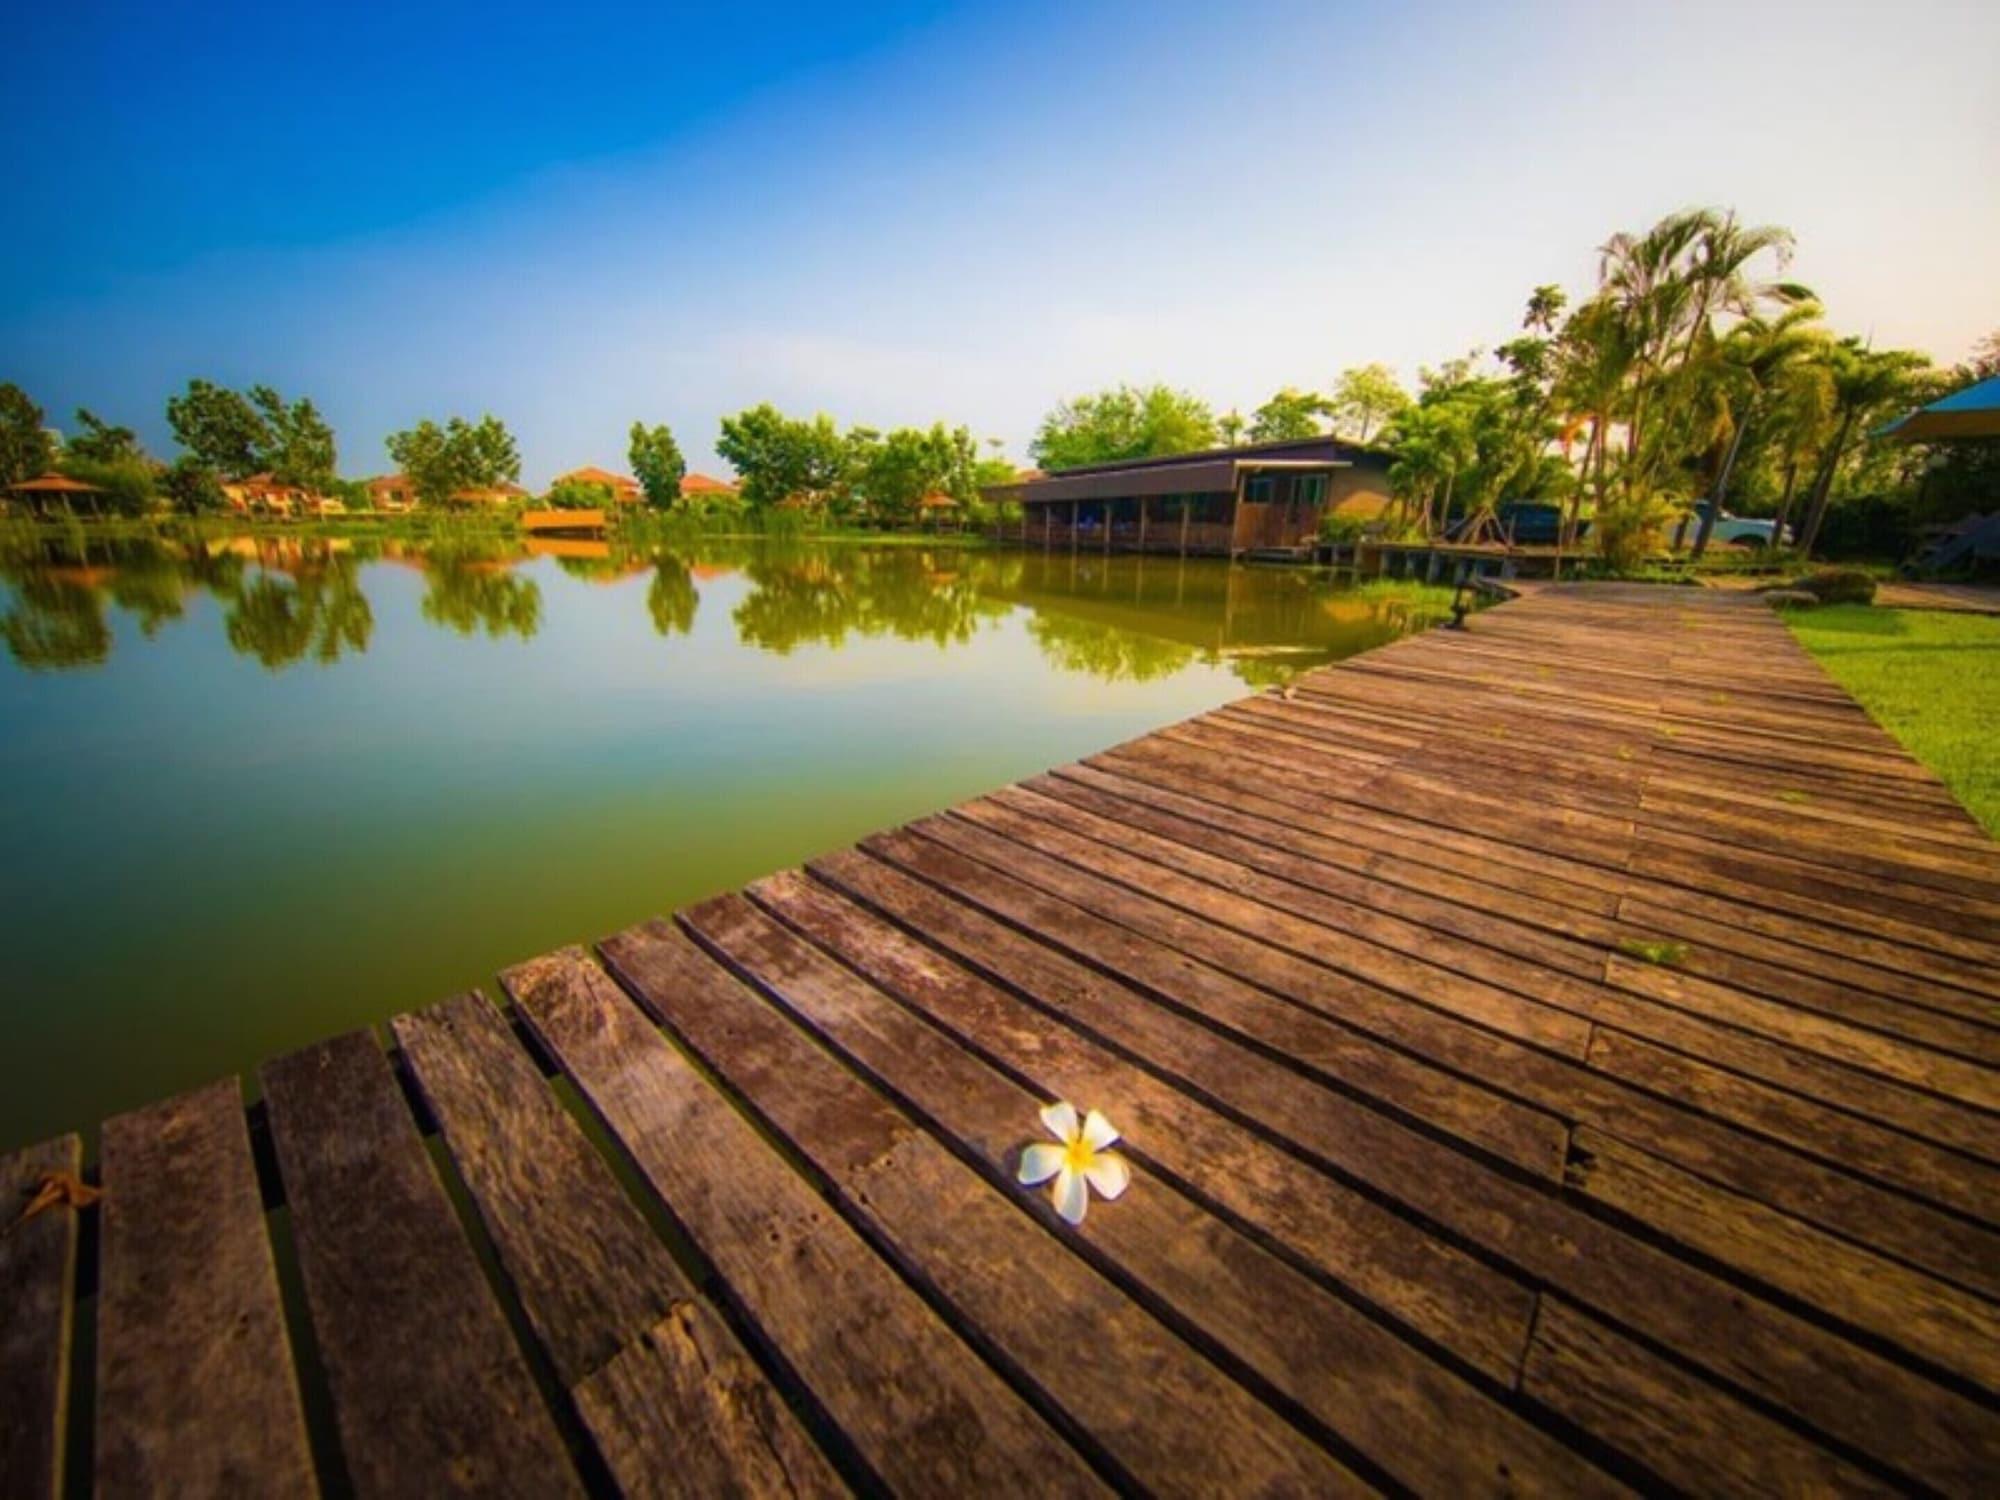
(227, 437)
(861, 473)
(1693, 372)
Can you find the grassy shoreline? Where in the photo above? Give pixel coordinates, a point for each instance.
(1929, 677)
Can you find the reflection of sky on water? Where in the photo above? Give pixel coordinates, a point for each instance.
(255, 794)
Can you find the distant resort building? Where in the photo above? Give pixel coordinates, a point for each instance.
(47, 493)
(624, 489)
(1263, 497)
(702, 487)
(394, 493)
(503, 493)
(266, 494)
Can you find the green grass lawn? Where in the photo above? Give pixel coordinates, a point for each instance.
(1930, 678)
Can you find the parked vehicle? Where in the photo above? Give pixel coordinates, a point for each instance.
(1740, 531)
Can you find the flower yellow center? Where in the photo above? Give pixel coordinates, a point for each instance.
(1077, 1153)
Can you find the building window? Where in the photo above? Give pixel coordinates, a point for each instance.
(1258, 492)
(1311, 489)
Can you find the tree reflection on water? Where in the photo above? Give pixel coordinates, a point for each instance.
(287, 599)
(808, 595)
(474, 588)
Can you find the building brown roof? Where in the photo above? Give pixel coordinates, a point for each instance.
(589, 475)
(1212, 471)
(702, 484)
(53, 484)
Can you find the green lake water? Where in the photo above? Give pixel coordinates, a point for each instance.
(258, 790)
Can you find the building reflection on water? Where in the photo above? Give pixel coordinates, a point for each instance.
(285, 599)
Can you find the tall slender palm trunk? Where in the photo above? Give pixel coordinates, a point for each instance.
(1823, 482)
(1721, 489)
(1785, 500)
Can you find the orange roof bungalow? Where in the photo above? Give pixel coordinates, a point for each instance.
(48, 492)
(624, 489)
(392, 493)
(704, 487)
(267, 494)
(502, 493)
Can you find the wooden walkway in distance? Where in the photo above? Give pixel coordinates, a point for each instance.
(1554, 1057)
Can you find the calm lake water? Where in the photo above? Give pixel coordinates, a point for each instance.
(258, 790)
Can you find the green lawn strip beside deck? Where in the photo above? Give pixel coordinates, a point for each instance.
(1929, 677)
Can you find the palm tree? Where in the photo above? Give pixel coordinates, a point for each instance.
(1862, 380)
(1594, 359)
(1752, 360)
(1667, 287)
(1801, 418)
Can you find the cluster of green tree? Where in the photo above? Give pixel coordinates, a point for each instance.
(1156, 421)
(657, 464)
(98, 453)
(445, 459)
(858, 475)
(1694, 375)
(228, 435)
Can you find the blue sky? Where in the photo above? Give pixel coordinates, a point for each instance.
(574, 216)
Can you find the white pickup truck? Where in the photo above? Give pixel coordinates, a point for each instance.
(1740, 531)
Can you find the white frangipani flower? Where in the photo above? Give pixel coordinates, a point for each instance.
(1079, 1164)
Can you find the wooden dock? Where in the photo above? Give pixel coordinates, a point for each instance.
(1558, 1056)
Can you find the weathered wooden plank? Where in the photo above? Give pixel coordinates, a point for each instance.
(37, 1306)
(679, 1412)
(1323, 1035)
(1821, 1377)
(919, 1407)
(685, 1403)
(1377, 1394)
(196, 1393)
(1856, 1143)
(1695, 1437)
(1865, 894)
(1934, 1240)
(1156, 853)
(1551, 928)
(1418, 1279)
(1196, 1432)
(1814, 1033)
(1954, 1330)
(430, 1393)
(1432, 967)
(1146, 864)
(1912, 924)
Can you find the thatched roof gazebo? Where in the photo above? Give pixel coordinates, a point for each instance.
(46, 491)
